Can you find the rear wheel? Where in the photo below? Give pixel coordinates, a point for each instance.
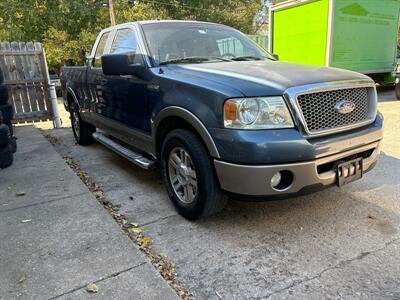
(397, 89)
(189, 177)
(82, 131)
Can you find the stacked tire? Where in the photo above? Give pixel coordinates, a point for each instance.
(8, 144)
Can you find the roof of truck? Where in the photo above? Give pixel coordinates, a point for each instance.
(172, 21)
(156, 22)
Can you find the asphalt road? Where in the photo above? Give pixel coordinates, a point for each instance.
(335, 244)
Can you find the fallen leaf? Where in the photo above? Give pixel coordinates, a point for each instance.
(22, 279)
(92, 288)
(145, 241)
(19, 194)
(135, 230)
(26, 221)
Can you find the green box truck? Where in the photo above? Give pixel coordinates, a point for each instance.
(358, 35)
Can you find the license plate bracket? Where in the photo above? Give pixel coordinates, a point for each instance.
(349, 171)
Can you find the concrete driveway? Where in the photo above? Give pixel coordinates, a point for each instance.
(335, 244)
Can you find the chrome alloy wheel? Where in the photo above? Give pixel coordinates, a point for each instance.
(182, 175)
(75, 123)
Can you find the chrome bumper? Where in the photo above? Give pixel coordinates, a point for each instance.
(255, 180)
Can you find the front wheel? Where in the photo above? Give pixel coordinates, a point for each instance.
(189, 177)
(82, 130)
(397, 88)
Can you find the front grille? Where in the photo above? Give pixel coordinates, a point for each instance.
(319, 109)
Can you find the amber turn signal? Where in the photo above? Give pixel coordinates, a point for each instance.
(230, 109)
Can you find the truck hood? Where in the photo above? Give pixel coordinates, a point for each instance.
(260, 78)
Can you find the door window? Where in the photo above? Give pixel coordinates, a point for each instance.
(124, 42)
(100, 49)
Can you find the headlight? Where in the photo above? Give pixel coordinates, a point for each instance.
(257, 113)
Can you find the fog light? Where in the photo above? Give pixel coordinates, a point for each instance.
(276, 179)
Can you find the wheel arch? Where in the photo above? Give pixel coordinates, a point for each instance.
(177, 117)
(71, 97)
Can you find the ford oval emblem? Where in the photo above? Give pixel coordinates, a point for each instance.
(345, 107)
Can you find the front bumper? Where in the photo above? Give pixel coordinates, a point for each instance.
(254, 180)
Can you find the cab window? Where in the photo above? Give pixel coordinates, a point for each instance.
(124, 42)
(100, 49)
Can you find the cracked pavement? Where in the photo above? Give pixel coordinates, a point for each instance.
(334, 244)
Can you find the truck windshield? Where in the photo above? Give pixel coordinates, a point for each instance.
(185, 42)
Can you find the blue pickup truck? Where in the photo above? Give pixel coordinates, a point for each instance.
(221, 116)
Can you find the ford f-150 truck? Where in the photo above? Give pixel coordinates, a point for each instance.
(221, 116)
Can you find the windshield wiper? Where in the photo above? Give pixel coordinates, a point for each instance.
(243, 58)
(192, 59)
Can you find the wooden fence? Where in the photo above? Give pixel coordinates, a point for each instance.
(27, 77)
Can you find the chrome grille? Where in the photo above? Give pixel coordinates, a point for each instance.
(319, 109)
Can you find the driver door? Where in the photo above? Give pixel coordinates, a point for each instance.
(126, 94)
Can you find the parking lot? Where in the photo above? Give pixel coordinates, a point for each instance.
(334, 244)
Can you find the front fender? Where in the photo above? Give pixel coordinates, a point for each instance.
(180, 112)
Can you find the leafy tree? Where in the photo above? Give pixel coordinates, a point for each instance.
(236, 13)
(68, 28)
(61, 49)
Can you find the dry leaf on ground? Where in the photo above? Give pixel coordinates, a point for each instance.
(92, 288)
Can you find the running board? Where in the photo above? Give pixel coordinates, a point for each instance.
(130, 155)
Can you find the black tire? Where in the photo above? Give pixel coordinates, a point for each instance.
(10, 126)
(6, 157)
(208, 198)
(82, 130)
(1, 76)
(7, 112)
(13, 143)
(5, 136)
(3, 94)
(397, 90)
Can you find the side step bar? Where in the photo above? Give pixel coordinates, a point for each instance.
(130, 155)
